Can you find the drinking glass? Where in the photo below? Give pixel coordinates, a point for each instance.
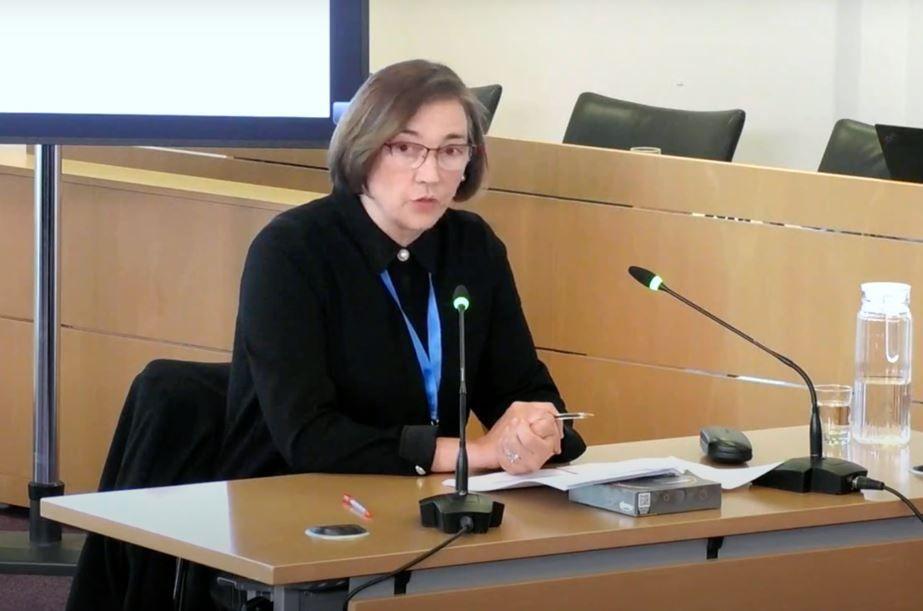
(833, 401)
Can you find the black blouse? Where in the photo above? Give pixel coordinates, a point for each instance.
(324, 377)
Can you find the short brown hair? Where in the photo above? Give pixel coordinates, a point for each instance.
(381, 109)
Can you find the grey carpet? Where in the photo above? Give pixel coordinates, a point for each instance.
(29, 592)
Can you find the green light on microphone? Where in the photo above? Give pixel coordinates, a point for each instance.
(460, 303)
(656, 281)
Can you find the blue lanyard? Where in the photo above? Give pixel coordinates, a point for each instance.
(430, 361)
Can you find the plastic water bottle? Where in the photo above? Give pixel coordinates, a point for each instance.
(884, 337)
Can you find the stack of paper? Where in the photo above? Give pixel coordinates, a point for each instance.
(568, 477)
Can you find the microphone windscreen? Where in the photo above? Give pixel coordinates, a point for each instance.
(460, 300)
(645, 277)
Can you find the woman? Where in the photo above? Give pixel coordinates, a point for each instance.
(346, 352)
(338, 364)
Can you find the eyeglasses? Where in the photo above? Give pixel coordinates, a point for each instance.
(451, 157)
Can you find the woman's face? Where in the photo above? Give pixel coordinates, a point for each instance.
(405, 201)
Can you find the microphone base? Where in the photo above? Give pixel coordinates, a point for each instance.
(445, 511)
(825, 475)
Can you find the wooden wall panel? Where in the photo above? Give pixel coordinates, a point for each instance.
(528, 228)
(15, 410)
(223, 164)
(795, 290)
(17, 235)
(311, 158)
(96, 371)
(661, 182)
(635, 402)
(805, 581)
(155, 266)
(163, 265)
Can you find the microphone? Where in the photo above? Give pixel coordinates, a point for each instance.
(461, 302)
(447, 511)
(814, 473)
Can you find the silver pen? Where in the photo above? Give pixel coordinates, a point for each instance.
(573, 416)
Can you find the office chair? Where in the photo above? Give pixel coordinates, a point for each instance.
(171, 426)
(610, 123)
(169, 432)
(854, 150)
(489, 96)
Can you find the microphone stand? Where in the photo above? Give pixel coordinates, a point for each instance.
(814, 473)
(446, 511)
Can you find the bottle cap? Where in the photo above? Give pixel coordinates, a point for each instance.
(886, 292)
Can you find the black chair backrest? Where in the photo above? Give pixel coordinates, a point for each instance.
(171, 427)
(853, 149)
(489, 96)
(610, 123)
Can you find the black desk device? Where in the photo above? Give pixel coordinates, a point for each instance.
(724, 445)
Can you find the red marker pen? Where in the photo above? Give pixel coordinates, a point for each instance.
(353, 503)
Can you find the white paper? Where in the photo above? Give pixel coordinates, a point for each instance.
(728, 477)
(573, 476)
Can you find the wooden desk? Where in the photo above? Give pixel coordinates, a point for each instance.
(255, 528)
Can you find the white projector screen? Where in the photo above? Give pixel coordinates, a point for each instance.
(175, 72)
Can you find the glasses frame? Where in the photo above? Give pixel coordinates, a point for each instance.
(472, 149)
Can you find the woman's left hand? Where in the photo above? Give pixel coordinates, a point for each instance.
(529, 438)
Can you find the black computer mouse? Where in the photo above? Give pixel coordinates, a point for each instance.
(724, 445)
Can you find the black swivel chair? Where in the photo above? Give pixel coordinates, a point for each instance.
(610, 123)
(169, 432)
(489, 96)
(171, 426)
(853, 149)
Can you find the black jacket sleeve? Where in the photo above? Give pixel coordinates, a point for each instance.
(510, 370)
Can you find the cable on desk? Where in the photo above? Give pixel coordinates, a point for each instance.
(467, 526)
(867, 483)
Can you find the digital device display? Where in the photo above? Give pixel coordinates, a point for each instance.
(171, 72)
